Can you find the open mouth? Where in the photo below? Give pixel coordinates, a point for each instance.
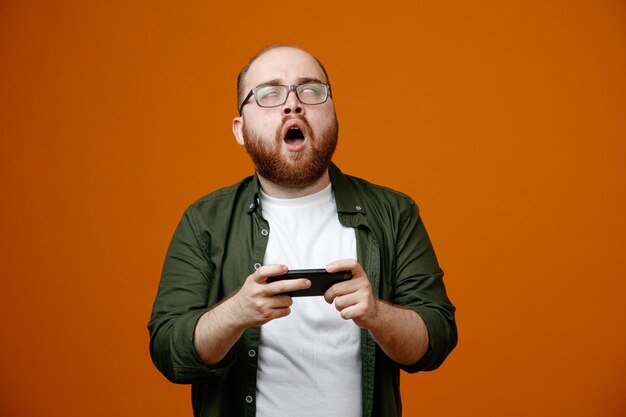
(294, 134)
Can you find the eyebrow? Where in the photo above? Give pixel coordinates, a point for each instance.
(299, 81)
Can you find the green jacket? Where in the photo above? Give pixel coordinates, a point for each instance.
(221, 239)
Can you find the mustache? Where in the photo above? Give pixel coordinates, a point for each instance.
(287, 118)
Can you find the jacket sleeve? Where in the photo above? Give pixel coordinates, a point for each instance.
(181, 299)
(419, 286)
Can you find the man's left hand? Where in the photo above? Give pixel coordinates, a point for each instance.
(353, 298)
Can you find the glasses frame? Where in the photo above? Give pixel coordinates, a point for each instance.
(290, 88)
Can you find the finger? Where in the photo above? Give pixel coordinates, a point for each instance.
(263, 273)
(279, 301)
(267, 305)
(351, 313)
(341, 288)
(346, 301)
(281, 312)
(271, 314)
(331, 294)
(287, 285)
(346, 265)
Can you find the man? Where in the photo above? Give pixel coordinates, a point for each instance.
(246, 347)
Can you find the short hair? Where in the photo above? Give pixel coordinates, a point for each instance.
(244, 71)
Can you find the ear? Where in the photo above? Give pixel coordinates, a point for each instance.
(238, 130)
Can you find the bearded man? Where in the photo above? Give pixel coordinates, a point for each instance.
(248, 347)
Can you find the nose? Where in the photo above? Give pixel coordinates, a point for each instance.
(292, 104)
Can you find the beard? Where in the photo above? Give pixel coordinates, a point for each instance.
(294, 169)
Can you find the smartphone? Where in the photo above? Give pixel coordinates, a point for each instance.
(321, 280)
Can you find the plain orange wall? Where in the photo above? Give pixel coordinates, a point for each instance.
(504, 120)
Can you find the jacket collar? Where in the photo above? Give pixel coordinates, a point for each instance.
(347, 198)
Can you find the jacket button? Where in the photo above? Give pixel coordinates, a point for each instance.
(358, 208)
(264, 232)
(251, 353)
(257, 265)
(248, 399)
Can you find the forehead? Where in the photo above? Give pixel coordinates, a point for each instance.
(284, 64)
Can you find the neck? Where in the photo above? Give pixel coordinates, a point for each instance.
(278, 191)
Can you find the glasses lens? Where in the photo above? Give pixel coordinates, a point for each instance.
(312, 93)
(271, 95)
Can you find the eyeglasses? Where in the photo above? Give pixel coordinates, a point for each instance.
(276, 95)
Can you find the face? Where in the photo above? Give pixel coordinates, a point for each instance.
(290, 145)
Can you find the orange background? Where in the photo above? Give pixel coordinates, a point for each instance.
(505, 121)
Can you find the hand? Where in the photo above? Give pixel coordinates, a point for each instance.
(258, 302)
(353, 298)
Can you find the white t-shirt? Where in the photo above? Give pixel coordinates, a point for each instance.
(309, 362)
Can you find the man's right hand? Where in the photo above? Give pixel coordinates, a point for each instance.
(254, 304)
(258, 302)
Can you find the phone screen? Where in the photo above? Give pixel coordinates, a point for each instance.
(321, 280)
